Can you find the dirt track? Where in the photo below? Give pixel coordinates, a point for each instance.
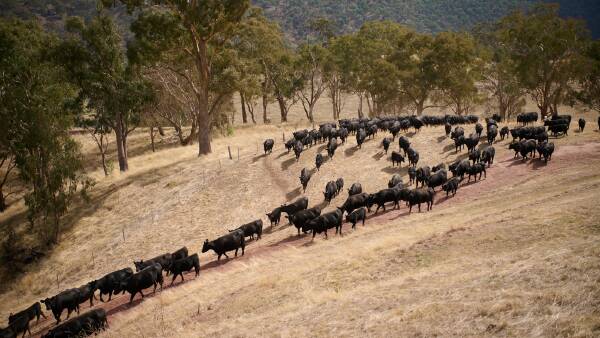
(504, 170)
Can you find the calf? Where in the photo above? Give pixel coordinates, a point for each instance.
(418, 196)
(232, 241)
(437, 179)
(330, 191)
(476, 169)
(451, 186)
(111, 283)
(319, 161)
(545, 150)
(413, 157)
(475, 155)
(252, 228)
(34, 311)
(581, 124)
(397, 158)
(297, 205)
(86, 292)
(356, 216)
(504, 133)
(394, 181)
(268, 145)
(327, 221)
(487, 156)
(274, 216)
(84, 325)
(356, 188)
(354, 202)
(386, 144)
(404, 144)
(68, 299)
(423, 174)
(304, 178)
(331, 147)
(340, 185)
(186, 264)
(164, 260)
(302, 217)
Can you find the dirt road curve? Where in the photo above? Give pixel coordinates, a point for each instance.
(504, 171)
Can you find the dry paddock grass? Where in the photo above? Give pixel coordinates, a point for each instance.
(514, 255)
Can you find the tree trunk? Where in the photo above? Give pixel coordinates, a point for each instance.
(244, 115)
(121, 150)
(161, 131)
(420, 109)
(152, 138)
(204, 124)
(2, 201)
(265, 102)
(250, 108)
(360, 106)
(282, 108)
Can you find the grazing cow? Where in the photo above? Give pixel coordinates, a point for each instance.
(545, 150)
(354, 202)
(289, 144)
(418, 196)
(451, 186)
(84, 325)
(492, 132)
(149, 276)
(527, 147)
(384, 196)
(184, 265)
(581, 124)
(252, 228)
(472, 141)
(299, 204)
(504, 133)
(86, 292)
(325, 222)
(404, 144)
(394, 181)
(356, 216)
(413, 157)
(164, 260)
(68, 299)
(304, 178)
(361, 135)
(331, 147)
(459, 142)
(437, 179)
(460, 168)
(438, 167)
(232, 241)
(386, 144)
(340, 185)
(478, 129)
(302, 217)
(274, 216)
(397, 158)
(412, 175)
(34, 311)
(448, 129)
(477, 169)
(19, 324)
(487, 155)
(111, 283)
(423, 174)
(475, 155)
(330, 191)
(268, 145)
(319, 161)
(355, 189)
(298, 146)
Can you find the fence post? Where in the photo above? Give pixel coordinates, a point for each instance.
(238, 153)
(229, 150)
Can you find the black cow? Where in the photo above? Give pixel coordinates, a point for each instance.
(458, 132)
(68, 299)
(504, 133)
(515, 145)
(331, 147)
(84, 325)
(386, 144)
(164, 260)
(412, 175)
(418, 196)
(330, 191)
(298, 146)
(394, 181)
(459, 142)
(472, 141)
(86, 292)
(492, 132)
(340, 185)
(397, 158)
(289, 144)
(527, 147)
(7, 332)
(413, 157)
(448, 129)
(111, 283)
(451, 186)
(487, 155)
(268, 145)
(354, 202)
(300, 134)
(475, 155)
(19, 324)
(149, 276)
(232, 241)
(384, 196)
(477, 169)
(478, 129)
(361, 136)
(274, 216)
(186, 264)
(356, 188)
(305, 175)
(438, 167)
(252, 228)
(423, 174)
(34, 311)
(404, 144)
(356, 216)
(302, 217)
(179, 254)
(299, 204)
(319, 161)
(559, 129)
(343, 134)
(437, 179)
(460, 168)
(545, 150)
(581, 124)
(325, 222)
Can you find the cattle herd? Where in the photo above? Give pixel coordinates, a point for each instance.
(527, 140)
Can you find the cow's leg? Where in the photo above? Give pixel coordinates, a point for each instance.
(225, 253)
(236, 250)
(173, 280)
(69, 312)
(419, 207)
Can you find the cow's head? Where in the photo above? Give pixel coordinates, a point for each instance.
(206, 246)
(138, 265)
(49, 302)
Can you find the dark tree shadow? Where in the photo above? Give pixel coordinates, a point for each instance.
(285, 165)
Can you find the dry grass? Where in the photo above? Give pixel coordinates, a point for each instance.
(517, 259)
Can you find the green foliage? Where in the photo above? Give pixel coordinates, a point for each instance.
(589, 94)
